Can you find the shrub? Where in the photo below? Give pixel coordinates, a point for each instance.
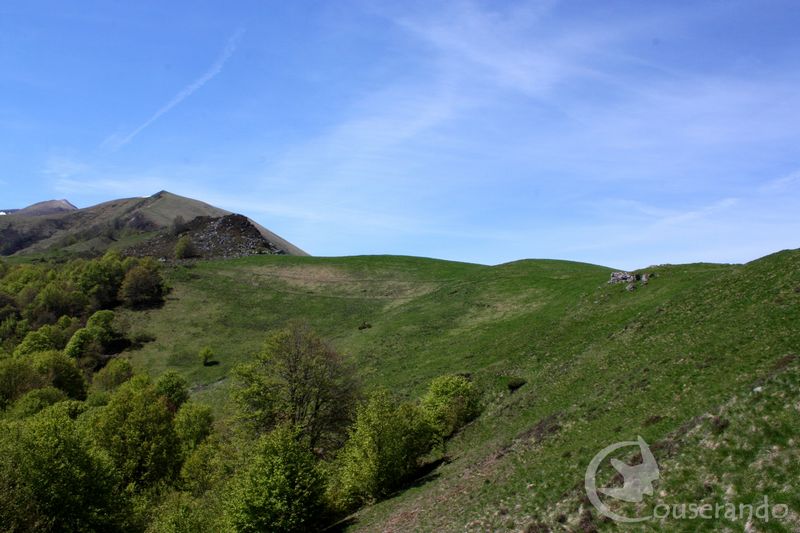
(298, 380)
(174, 388)
(282, 489)
(193, 423)
(385, 448)
(141, 338)
(184, 248)
(515, 384)
(143, 286)
(111, 376)
(451, 402)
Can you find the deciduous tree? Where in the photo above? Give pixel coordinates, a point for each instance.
(298, 379)
(143, 285)
(281, 490)
(135, 428)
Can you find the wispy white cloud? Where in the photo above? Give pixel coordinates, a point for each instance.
(62, 167)
(781, 183)
(101, 181)
(728, 230)
(116, 141)
(696, 214)
(510, 48)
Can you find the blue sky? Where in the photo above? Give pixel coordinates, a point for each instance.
(620, 133)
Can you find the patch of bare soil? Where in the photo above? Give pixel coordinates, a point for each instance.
(322, 280)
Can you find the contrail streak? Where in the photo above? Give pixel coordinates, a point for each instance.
(116, 143)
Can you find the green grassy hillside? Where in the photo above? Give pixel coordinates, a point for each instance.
(602, 364)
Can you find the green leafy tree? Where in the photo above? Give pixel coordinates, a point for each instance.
(84, 346)
(97, 398)
(206, 467)
(386, 446)
(100, 280)
(48, 337)
(64, 329)
(206, 356)
(178, 225)
(136, 430)
(61, 372)
(35, 341)
(111, 376)
(174, 388)
(101, 323)
(34, 401)
(143, 285)
(8, 306)
(17, 376)
(179, 512)
(297, 379)
(55, 300)
(451, 402)
(193, 424)
(281, 490)
(53, 479)
(12, 330)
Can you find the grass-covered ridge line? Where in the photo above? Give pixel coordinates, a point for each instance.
(601, 364)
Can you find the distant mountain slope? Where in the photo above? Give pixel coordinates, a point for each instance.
(52, 226)
(49, 207)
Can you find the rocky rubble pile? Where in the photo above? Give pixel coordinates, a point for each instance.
(222, 237)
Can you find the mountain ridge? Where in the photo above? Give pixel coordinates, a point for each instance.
(114, 224)
(46, 207)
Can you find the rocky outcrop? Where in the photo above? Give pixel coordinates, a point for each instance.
(631, 280)
(622, 277)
